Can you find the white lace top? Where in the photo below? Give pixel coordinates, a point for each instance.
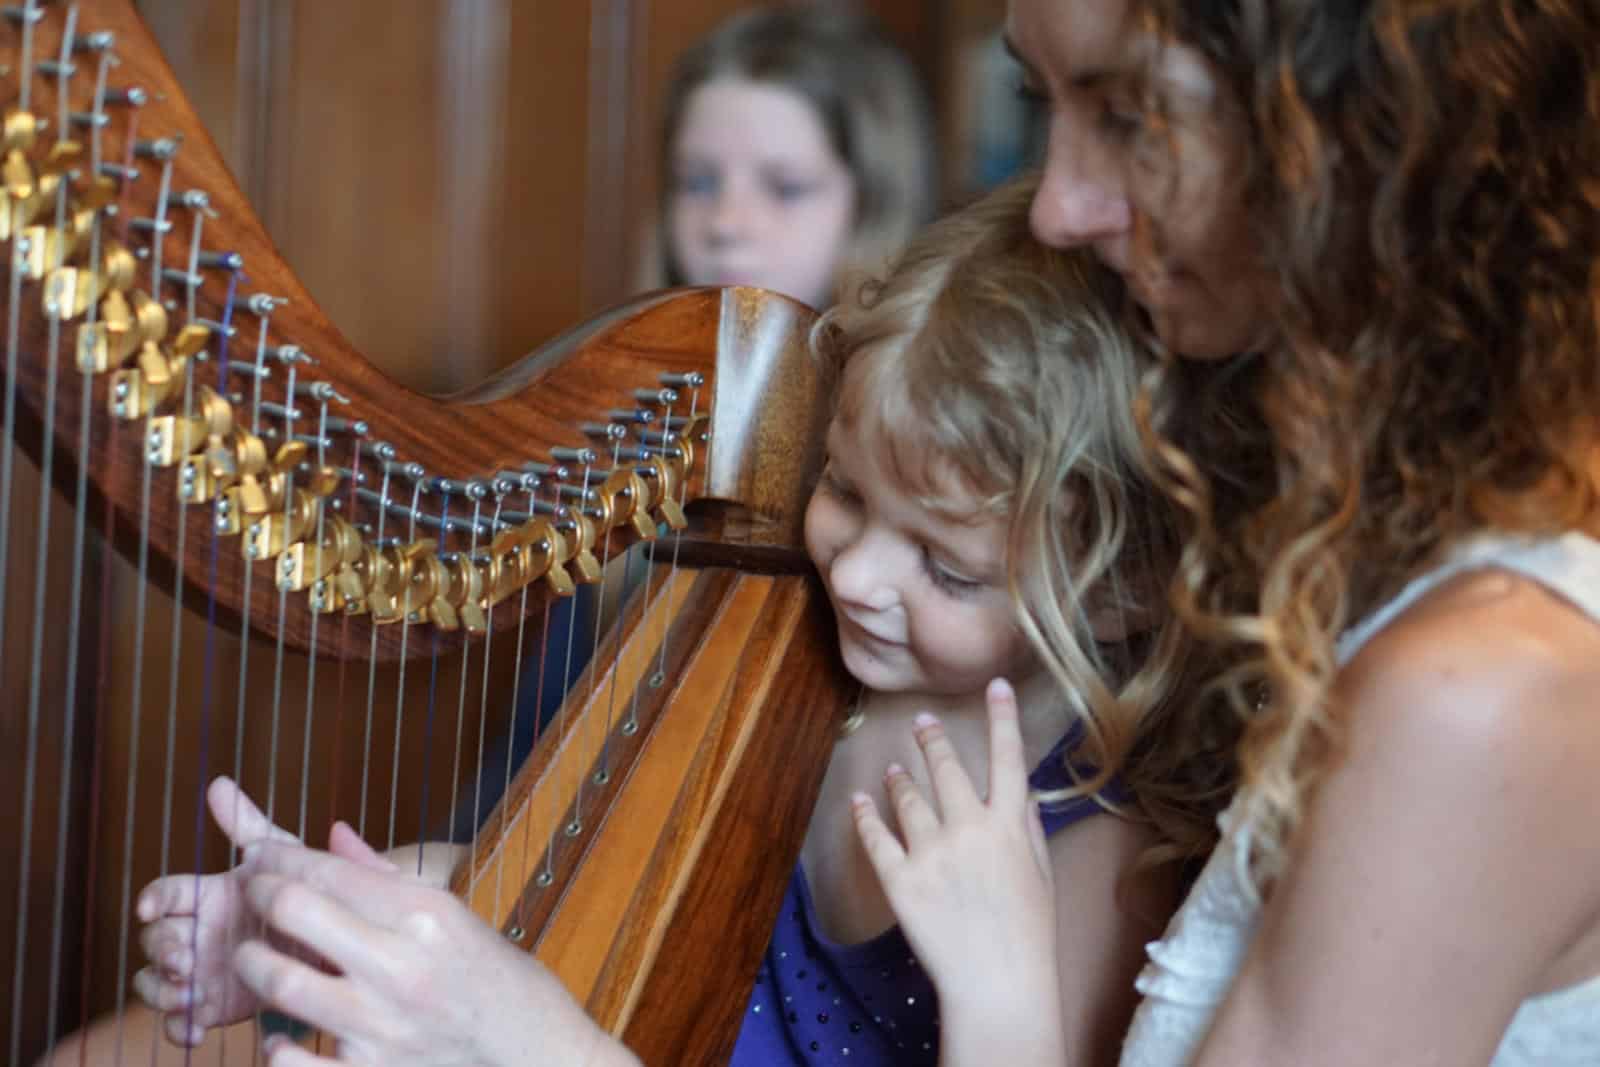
(1192, 966)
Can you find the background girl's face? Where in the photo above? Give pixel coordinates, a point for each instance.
(1158, 196)
(758, 195)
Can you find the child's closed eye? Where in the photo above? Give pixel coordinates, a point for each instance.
(946, 580)
(829, 482)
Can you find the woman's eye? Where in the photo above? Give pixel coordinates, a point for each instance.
(1035, 98)
(1120, 121)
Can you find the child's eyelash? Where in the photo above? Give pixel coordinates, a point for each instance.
(944, 580)
(829, 482)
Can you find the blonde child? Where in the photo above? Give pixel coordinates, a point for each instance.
(984, 515)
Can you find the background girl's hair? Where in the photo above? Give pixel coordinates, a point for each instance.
(1010, 365)
(862, 87)
(1425, 182)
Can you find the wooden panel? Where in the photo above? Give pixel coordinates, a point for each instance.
(420, 163)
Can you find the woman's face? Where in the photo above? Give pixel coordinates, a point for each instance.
(759, 197)
(1145, 165)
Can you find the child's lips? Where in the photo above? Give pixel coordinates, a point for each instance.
(864, 633)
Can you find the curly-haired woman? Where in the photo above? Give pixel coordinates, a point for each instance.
(1367, 232)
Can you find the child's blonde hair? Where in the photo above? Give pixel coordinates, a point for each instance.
(866, 95)
(988, 354)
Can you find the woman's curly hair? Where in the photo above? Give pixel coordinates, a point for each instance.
(1424, 178)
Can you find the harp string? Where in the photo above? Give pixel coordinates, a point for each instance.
(677, 540)
(357, 432)
(538, 726)
(461, 709)
(208, 693)
(103, 671)
(135, 716)
(436, 639)
(323, 394)
(290, 357)
(546, 876)
(372, 648)
(481, 763)
(258, 371)
(175, 634)
(562, 724)
(75, 594)
(7, 469)
(515, 733)
(400, 694)
(54, 312)
(594, 652)
(594, 647)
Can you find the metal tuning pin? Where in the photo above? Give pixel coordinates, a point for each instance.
(132, 96)
(658, 397)
(584, 457)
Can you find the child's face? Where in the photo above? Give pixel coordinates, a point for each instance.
(759, 197)
(920, 598)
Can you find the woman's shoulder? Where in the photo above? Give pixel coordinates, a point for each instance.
(1501, 634)
(1492, 676)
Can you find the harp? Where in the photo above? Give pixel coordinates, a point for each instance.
(173, 398)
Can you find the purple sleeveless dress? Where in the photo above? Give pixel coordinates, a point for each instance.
(820, 1002)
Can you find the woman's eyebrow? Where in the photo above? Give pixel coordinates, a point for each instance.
(1084, 79)
(1011, 50)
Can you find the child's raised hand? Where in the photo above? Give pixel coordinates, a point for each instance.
(194, 924)
(970, 880)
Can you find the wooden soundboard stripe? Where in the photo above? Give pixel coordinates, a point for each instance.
(513, 864)
(617, 869)
(635, 955)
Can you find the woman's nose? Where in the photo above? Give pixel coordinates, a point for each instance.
(1083, 195)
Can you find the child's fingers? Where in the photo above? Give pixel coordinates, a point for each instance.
(952, 789)
(182, 1031)
(883, 849)
(162, 994)
(238, 817)
(911, 810)
(176, 894)
(1008, 770)
(167, 944)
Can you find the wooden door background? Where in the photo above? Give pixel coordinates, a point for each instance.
(457, 181)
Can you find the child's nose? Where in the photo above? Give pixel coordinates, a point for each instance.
(730, 215)
(863, 577)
